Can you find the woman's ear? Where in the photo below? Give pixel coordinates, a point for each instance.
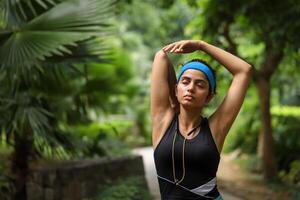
(176, 106)
(209, 97)
(175, 88)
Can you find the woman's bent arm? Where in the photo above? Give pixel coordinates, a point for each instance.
(160, 89)
(224, 116)
(163, 99)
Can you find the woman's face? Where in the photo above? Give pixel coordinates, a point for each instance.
(193, 89)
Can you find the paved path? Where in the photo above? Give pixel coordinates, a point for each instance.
(147, 153)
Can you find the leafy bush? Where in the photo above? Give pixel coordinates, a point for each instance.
(115, 128)
(287, 144)
(130, 188)
(286, 127)
(292, 179)
(293, 175)
(244, 133)
(6, 184)
(103, 139)
(287, 140)
(6, 187)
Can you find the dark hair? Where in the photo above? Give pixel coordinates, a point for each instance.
(213, 72)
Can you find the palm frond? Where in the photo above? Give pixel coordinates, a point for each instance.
(50, 33)
(17, 12)
(75, 15)
(94, 49)
(29, 46)
(21, 109)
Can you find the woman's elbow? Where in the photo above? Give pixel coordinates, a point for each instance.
(160, 54)
(248, 69)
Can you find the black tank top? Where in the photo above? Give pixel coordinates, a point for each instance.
(201, 164)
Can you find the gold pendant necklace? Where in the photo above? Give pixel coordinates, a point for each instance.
(176, 181)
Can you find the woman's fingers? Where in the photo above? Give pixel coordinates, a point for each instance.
(175, 47)
(181, 47)
(168, 47)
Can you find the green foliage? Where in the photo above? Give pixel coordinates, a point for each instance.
(242, 138)
(141, 37)
(6, 187)
(103, 139)
(250, 163)
(130, 188)
(293, 176)
(286, 83)
(27, 40)
(286, 128)
(256, 16)
(296, 194)
(286, 111)
(62, 80)
(287, 143)
(287, 140)
(291, 179)
(43, 47)
(154, 28)
(107, 86)
(6, 183)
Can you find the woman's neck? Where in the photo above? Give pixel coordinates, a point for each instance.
(189, 119)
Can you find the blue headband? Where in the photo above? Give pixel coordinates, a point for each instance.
(201, 67)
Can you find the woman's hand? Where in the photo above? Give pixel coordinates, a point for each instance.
(183, 46)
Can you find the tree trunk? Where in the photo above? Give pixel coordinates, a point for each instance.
(23, 148)
(265, 147)
(263, 79)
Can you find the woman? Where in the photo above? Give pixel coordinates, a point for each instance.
(187, 145)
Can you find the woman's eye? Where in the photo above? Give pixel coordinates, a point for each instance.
(201, 84)
(185, 81)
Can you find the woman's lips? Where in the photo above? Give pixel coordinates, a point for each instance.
(188, 97)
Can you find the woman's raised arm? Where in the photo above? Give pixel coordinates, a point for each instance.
(226, 113)
(160, 89)
(163, 100)
(222, 119)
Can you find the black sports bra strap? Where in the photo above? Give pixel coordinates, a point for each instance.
(177, 126)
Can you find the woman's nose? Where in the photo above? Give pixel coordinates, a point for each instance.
(191, 87)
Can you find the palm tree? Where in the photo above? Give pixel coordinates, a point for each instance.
(44, 45)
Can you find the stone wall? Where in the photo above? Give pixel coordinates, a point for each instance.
(76, 180)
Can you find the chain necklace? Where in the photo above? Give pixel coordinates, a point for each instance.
(183, 152)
